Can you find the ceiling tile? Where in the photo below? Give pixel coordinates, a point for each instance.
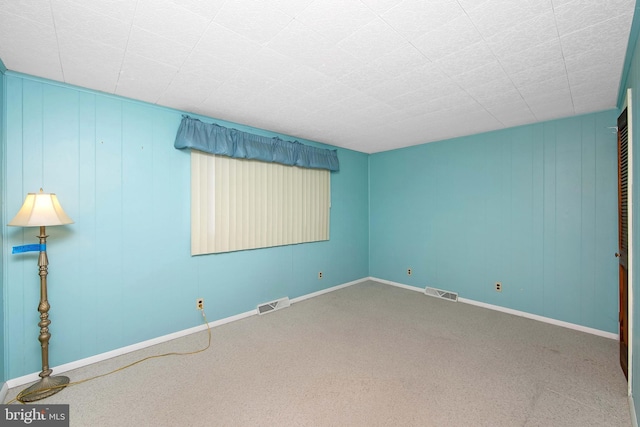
(576, 15)
(304, 101)
(359, 102)
(207, 9)
(448, 39)
(333, 62)
(602, 86)
(612, 33)
(528, 34)
(539, 74)
(291, 7)
(494, 92)
(402, 60)
(253, 19)
(518, 110)
(554, 85)
(336, 19)
(158, 48)
(199, 81)
(271, 64)
(222, 43)
(372, 41)
(251, 82)
(596, 100)
(298, 41)
(144, 79)
(382, 111)
(547, 106)
(381, 6)
(468, 5)
(188, 90)
(306, 78)
(229, 101)
(389, 89)
(34, 10)
(426, 95)
(434, 105)
(89, 63)
(414, 18)
(596, 57)
(82, 22)
(494, 16)
(334, 92)
(474, 56)
(479, 76)
(548, 52)
(304, 45)
(42, 41)
(122, 10)
(281, 95)
(208, 67)
(361, 79)
(562, 96)
(428, 75)
(595, 74)
(553, 110)
(169, 20)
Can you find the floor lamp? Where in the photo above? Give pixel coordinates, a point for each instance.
(41, 210)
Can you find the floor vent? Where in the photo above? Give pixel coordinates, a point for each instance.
(268, 307)
(433, 292)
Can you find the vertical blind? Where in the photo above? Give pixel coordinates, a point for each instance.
(239, 204)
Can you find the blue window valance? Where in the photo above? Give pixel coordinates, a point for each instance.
(216, 139)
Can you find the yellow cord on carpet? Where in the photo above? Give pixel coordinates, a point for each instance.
(204, 316)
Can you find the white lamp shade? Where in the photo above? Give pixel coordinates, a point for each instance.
(40, 209)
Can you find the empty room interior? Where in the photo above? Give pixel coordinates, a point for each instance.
(310, 212)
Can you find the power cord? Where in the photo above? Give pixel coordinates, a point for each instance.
(22, 395)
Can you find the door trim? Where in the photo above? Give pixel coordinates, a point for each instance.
(630, 273)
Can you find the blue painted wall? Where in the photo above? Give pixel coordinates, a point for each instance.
(632, 77)
(533, 207)
(123, 272)
(3, 377)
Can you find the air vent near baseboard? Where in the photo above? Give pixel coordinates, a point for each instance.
(438, 293)
(268, 307)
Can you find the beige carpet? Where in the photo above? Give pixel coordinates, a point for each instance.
(367, 355)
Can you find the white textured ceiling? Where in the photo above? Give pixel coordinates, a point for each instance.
(369, 75)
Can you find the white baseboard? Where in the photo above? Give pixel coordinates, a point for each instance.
(3, 392)
(556, 322)
(632, 410)
(397, 285)
(25, 379)
(324, 291)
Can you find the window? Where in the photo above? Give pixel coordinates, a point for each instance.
(239, 204)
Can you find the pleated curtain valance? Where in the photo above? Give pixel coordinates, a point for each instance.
(216, 139)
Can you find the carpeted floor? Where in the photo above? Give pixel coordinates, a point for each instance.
(366, 355)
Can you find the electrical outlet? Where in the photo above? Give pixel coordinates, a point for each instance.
(498, 286)
(200, 304)
(320, 275)
(409, 272)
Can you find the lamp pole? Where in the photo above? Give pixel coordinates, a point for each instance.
(47, 385)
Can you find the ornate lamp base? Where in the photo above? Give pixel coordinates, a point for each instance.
(46, 387)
